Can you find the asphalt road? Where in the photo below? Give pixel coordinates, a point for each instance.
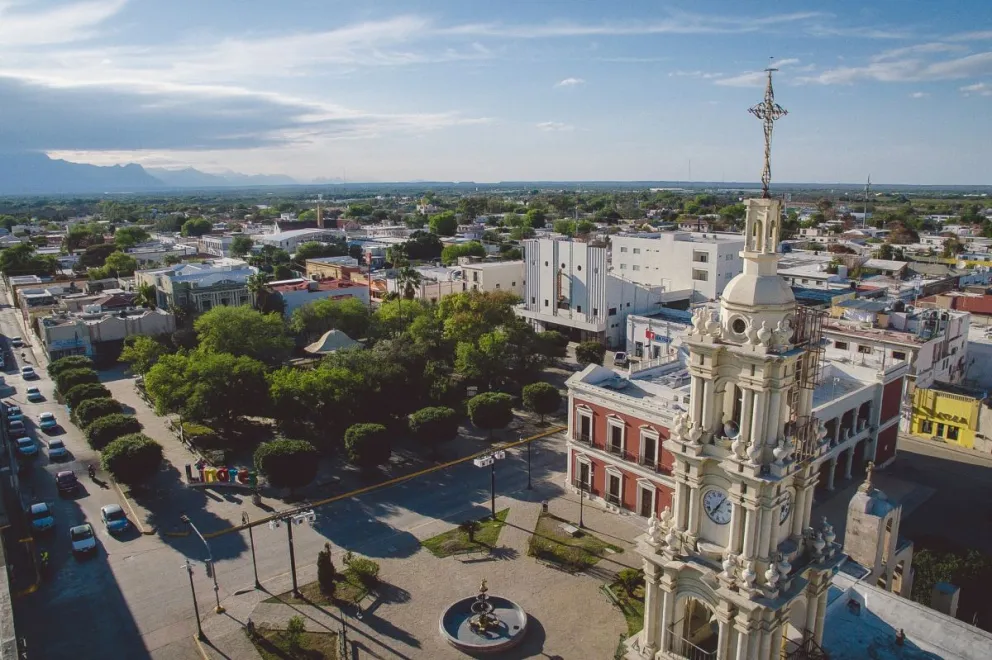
(132, 600)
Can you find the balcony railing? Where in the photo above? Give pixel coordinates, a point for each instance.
(613, 499)
(683, 648)
(585, 438)
(615, 449)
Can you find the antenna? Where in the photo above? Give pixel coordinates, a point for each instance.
(864, 221)
(768, 111)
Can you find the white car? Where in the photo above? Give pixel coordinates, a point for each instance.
(621, 359)
(27, 373)
(16, 342)
(34, 395)
(83, 539)
(57, 450)
(46, 420)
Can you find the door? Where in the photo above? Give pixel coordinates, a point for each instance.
(585, 429)
(650, 458)
(613, 493)
(584, 477)
(647, 502)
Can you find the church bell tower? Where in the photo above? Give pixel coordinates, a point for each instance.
(737, 567)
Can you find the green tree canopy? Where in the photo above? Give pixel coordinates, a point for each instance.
(70, 362)
(483, 362)
(92, 409)
(22, 260)
(367, 444)
(117, 264)
(141, 353)
(197, 227)
(287, 463)
(314, 249)
(132, 458)
(81, 393)
(491, 411)
(590, 352)
(241, 245)
(444, 224)
(103, 430)
(312, 320)
(541, 398)
(95, 256)
(566, 227)
(244, 331)
(66, 380)
(316, 403)
(536, 218)
(435, 425)
(469, 315)
(128, 237)
(451, 253)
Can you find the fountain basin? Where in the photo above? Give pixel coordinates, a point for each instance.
(454, 626)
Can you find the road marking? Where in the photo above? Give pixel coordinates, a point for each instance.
(134, 516)
(386, 484)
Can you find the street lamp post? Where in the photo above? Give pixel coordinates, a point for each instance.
(490, 462)
(529, 486)
(210, 564)
(245, 520)
(582, 489)
(290, 518)
(196, 609)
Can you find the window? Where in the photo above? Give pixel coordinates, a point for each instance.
(475, 276)
(533, 300)
(474, 287)
(545, 263)
(926, 426)
(623, 266)
(840, 345)
(563, 304)
(898, 355)
(623, 249)
(700, 275)
(595, 311)
(613, 311)
(579, 268)
(649, 445)
(545, 302)
(864, 350)
(578, 308)
(940, 430)
(701, 257)
(637, 250)
(635, 267)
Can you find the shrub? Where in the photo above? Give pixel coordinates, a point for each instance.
(201, 436)
(432, 426)
(552, 344)
(542, 398)
(132, 458)
(325, 571)
(71, 362)
(590, 352)
(104, 430)
(630, 579)
(367, 444)
(69, 378)
(81, 393)
(366, 570)
(470, 527)
(491, 410)
(92, 409)
(287, 463)
(295, 628)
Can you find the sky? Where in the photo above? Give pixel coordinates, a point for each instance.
(464, 90)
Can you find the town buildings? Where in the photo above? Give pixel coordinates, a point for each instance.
(298, 292)
(200, 286)
(99, 332)
(678, 261)
(568, 287)
(292, 239)
(494, 276)
(334, 268)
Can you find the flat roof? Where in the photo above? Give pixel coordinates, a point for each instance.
(492, 264)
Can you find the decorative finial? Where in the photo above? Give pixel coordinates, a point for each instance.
(867, 486)
(768, 112)
(482, 587)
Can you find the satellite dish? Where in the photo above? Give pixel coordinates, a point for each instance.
(731, 430)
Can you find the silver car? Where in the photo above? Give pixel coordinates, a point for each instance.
(83, 539)
(41, 516)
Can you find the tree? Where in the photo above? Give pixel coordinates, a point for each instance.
(470, 527)
(316, 403)
(70, 362)
(82, 235)
(142, 353)
(128, 237)
(407, 280)
(952, 247)
(93, 409)
(423, 246)
(551, 344)
(630, 579)
(22, 260)
(326, 573)
(885, 251)
(491, 411)
(451, 253)
(314, 249)
(241, 245)
(583, 227)
(590, 352)
(81, 393)
(132, 458)
(258, 286)
(147, 296)
(433, 426)
(312, 320)
(566, 227)
(288, 464)
(95, 256)
(197, 227)
(536, 218)
(69, 378)
(103, 430)
(117, 265)
(483, 362)
(244, 331)
(541, 398)
(295, 628)
(444, 224)
(367, 444)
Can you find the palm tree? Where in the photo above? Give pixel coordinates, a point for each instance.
(407, 279)
(256, 286)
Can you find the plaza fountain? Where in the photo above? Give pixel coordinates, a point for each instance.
(483, 623)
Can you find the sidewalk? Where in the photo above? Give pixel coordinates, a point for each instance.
(402, 621)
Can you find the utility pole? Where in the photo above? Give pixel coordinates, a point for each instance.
(864, 221)
(292, 558)
(245, 520)
(196, 609)
(210, 564)
(490, 462)
(519, 438)
(296, 516)
(582, 489)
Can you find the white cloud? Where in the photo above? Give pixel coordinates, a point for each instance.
(693, 74)
(61, 24)
(933, 47)
(971, 36)
(555, 126)
(570, 82)
(912, 69)
(919, 95)
(755, 78)
(978, 89)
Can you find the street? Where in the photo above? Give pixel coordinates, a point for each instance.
(133, 598)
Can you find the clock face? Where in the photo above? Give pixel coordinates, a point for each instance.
(717, 506)
(786, 509)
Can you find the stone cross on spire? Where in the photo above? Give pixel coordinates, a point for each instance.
(768, 111)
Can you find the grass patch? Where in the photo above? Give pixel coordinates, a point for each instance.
(456, 540)
(632, 606)
(572, 553)
(274, 645)
(349, 590)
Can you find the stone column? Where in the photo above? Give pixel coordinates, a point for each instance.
(652, 617)
(723, 634)
(821, 614)
(764, 645)
(681, 505)
(831, 473)
(764, 540)
(849, 464)
(746, 412)
(837, 424)
(707, 413)
(808, 504)
(696, 396)
(774, 417)
(694, 507)
(775, 532)
(667, 613)
(812, 601)
(775, 635)
(735, 528)
(798, 509)
(744, 639)
(750, 526)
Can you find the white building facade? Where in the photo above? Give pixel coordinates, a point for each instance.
(494, 276)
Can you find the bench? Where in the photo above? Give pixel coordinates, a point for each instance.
(571, 530)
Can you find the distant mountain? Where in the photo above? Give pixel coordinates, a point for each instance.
(192, 178)
(36, 174)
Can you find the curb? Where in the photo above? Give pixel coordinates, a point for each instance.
(134, 516)
(199, 647)
(176, 534)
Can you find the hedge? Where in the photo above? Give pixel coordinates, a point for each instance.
(92, 409)
(132, 458)
(105, 430)
(71, 362)
(81, 393)
(367, 444)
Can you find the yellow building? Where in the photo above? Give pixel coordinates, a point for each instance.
(947, 412)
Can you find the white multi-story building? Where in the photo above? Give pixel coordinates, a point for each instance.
(679, 261)
(292, 239)
(568, 287)
(494, 276)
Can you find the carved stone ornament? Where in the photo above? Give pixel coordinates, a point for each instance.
(764, 334)
(771, 576)
(730, 566)
(748, 575)
(828, 531)
(783, 450)
(783, 566)
(654, 532)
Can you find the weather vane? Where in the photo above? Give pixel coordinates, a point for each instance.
(768, 111)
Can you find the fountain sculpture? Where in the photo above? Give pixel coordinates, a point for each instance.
(483, 623)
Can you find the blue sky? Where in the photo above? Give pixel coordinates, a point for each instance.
(488, 91)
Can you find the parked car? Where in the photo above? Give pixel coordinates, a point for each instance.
(66, 482)
(114, 518)
(16, 342)
(14, 413)
(83, 539)
(27, 447)
(28, 373)
(16, 428)
(57, 451)
(46, 420)
(42, 518)
(34, 395)
(621, 359)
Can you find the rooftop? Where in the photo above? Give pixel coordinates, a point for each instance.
(300, 284)
(482, 265)
(339, 261)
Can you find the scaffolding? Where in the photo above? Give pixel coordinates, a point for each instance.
(808, 337)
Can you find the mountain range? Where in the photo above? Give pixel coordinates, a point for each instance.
(38, 174)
